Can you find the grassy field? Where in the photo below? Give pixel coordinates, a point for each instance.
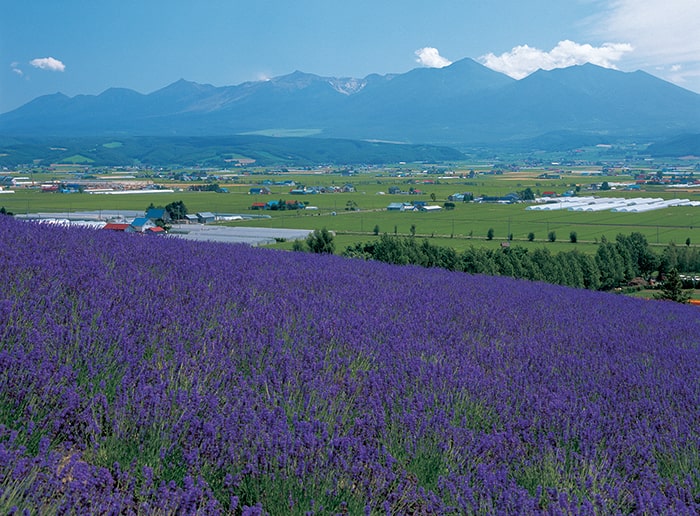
(466, 225)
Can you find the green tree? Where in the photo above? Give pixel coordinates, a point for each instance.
(530, 236)
(413, 230)
(376, 229)
(642, 260)
(433, 197)
(177, 210)
(527, 194)
(321, 242)
(573, 237)
(612, 266)
(552, 236)
(489, 234)
(672, 289)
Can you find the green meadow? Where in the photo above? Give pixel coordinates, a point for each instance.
(357, 216)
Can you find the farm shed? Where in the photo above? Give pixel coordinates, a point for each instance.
(205, 217)
(113, 226)
(158, 213)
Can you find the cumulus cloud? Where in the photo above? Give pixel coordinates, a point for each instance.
(523, 60)
(431, 58)
(48, 63)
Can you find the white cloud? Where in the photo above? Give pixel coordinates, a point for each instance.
(48, 63)
(16, 69)
(523, 59)
(431, 58)
(664, 35)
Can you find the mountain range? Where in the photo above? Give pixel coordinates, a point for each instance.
(464, 104)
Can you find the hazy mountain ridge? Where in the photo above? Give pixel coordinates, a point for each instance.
(460, 105)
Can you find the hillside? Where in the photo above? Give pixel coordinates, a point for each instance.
(158, 375)
(464, 104)
(213, 151)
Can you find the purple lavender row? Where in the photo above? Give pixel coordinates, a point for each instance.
(159, 375)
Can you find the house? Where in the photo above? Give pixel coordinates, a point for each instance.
(158, 213)
(431, 208)
(157, 230)
(191, 218)
(260, 191)
(206, 217)
(139, 225)
(258, 206)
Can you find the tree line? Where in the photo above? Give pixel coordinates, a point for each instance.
(615, 263)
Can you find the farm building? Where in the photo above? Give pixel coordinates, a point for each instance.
(158, 213)
(139, 225)
(206, 216)
(113, 226)
(260, 191)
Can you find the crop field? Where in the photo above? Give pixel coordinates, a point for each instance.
(356, 216)
(147, 375)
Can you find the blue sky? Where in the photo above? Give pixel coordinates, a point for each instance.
(84, 47)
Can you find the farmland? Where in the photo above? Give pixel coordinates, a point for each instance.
(356, 216)
(147, 375)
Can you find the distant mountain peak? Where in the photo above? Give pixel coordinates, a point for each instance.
(462, 104)
(348, 86)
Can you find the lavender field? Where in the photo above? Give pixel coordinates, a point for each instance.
(151, 375)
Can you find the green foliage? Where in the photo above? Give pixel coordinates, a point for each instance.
(321, 242)
(573, 237)
(177, 210)
(527, 194)
(672, 289)
(490, 234)
(376, 230)
(530, 237)
(552, 236)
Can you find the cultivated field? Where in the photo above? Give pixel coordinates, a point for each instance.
(355, 216)
(148, 375)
